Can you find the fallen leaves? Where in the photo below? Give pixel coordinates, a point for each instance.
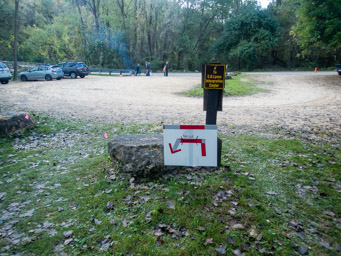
(27, 214)
(221, 249)
(238, 252)
(170, 230)
(221, 196)
(230, 240)
(272, 193)
(68, 233)
(125, 223)
(73, 206)
(170, 205)
(302, 250)
(238, 226)
(329, 213)
(106, 243)
(68, 241)
(110, 206)
(2, 195)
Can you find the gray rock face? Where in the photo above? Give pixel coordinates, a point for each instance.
(140, 154)
(14, 124)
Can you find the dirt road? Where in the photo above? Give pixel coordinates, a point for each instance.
(304, 101)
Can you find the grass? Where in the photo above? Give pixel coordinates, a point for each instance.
(65, 164)
(239, 85)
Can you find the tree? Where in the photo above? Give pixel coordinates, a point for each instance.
(248, 38)
(318, 30)
(15, 44)
(285, 53)
(94, 6)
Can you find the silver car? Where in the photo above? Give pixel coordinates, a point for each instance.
(42, 72)
(5, 74)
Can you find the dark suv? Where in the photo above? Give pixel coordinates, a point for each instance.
(74, 69)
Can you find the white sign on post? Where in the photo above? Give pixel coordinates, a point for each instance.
(190, 145)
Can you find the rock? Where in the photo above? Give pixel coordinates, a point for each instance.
(141, 155)
(14, 124)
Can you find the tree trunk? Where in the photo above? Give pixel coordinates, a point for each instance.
(179, 60)
(142, 34)
(94, 8)
(96, 13)
(82, 31)
(164, 56)
(15, 45)
(149, 32)
(120, 4)
(134, 33)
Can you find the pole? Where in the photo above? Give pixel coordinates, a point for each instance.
(212, 106)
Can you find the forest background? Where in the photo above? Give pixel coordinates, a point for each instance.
(288, 34)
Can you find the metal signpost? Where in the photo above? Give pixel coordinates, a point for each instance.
(213, 82)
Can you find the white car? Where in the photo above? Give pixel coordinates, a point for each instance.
(42, 72)
(5, 74)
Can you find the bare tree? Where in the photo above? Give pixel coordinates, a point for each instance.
(120, 4)
(15, 44)
(134, 53)
(94, 8)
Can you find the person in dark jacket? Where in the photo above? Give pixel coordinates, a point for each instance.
(148, 69)
(137, 69)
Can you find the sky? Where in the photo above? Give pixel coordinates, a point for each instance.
(264, 3)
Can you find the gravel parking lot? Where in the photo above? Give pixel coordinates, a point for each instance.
(299, 101)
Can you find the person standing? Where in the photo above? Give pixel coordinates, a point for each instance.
(165, 69)
(147, 68)
(137, 69)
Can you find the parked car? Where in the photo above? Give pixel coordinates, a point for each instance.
(74, 69)
(338, 69)
(42, 72)
(5, 74)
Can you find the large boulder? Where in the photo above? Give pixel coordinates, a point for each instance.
(140, 154)
(14, 124)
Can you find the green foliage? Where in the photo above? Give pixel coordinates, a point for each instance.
(184, 33)
(318, 30)
(248, 37)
